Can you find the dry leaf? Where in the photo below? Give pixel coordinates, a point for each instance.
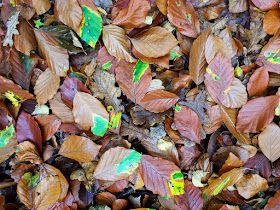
(79, 148)
(46, 86)
(41, 6)
(28, 152)
(238, 6)
(258, 82)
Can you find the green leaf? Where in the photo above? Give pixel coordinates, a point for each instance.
(100, 125)
(173, 55)
(91, 26)
(129, 163)
(139, 70)
(38, 23)
(5, 135)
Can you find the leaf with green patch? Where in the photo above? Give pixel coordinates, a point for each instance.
(5, 135)
(129, 163)
(91, 26)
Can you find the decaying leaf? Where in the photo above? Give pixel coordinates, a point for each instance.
(11, 29)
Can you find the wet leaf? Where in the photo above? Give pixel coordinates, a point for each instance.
(117, 164)
(79, 148)
(182, 15)
(151, 45)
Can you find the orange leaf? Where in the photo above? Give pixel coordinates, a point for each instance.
(258, 82)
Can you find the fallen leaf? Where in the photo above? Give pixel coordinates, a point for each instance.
(63, 112)
(28, 129)
(181, 82)
(46, 86)
(151, 45)
(123, 162)
(238, 6)
(56, 57)
(197, 61)
(165, 181)
(191, 199)
(69, 12)
(273, 202)
(162, 6)
(212, 11)
(89, 112)
(218, 78)
(188, 155)
(8, 142)
(117, 43)
(258, 82)
(41, 6)
(120, 204)
(50, 124)
(134, 79)
(269, 140)
(270, 20)
(266, 5)
(71, 85)
(158, 101)
(230, 117)
(90, 31)
(108, 62)
(250, 122)
(216, 119)
(182, 15)
(250, 185)
(79, 148)
(187, 123)
(46, 193)
(215, 45)
(28, 152)
(201, 170)
(237, 95)
(134, 15)
(11, 29)
(106, 198)
(226, 36)
(232, 162)
(118, 186)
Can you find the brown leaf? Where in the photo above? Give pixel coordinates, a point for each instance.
(133, 15)
(56, 57)
(230, 117)
(79, 148)
(112, 164)
(41, 6)
(134, 90)
(160, 179)
(226, 36)
(50, 124)
(118, 186)
(25, 41)
(46, 86)
(46, 193)
(266, 5)
(117, 43)
(106, 198)
(227, 179)
(182, 15)
(250, 185)
(203, 164)
(216, 119)
(63, 112)
(188, 155)
(181, 82)
(191, 199)
(28, 152)
(257, 114)
(104, 57)
(89, 112)
(120, 204)
(269, 141)
(71, 85)
(47, 152)
(151, 45)
(47, 170)
(24, 190)
(212, 11)
(28, 129)
(232, 162)
(218, 78)
(274, 202)
(187, 123)
(69, 12)
(238, 6)
(197, 59)
(162, 6)
(237, 95)
(213, 46)
(22, 67)
(8, 85)
(158, 101)
(271, 21)
(231, 196)
(258, 82)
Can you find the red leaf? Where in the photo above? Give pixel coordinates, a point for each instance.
(187, 122)
(28, 129)
(192, 198)
(158, 101)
